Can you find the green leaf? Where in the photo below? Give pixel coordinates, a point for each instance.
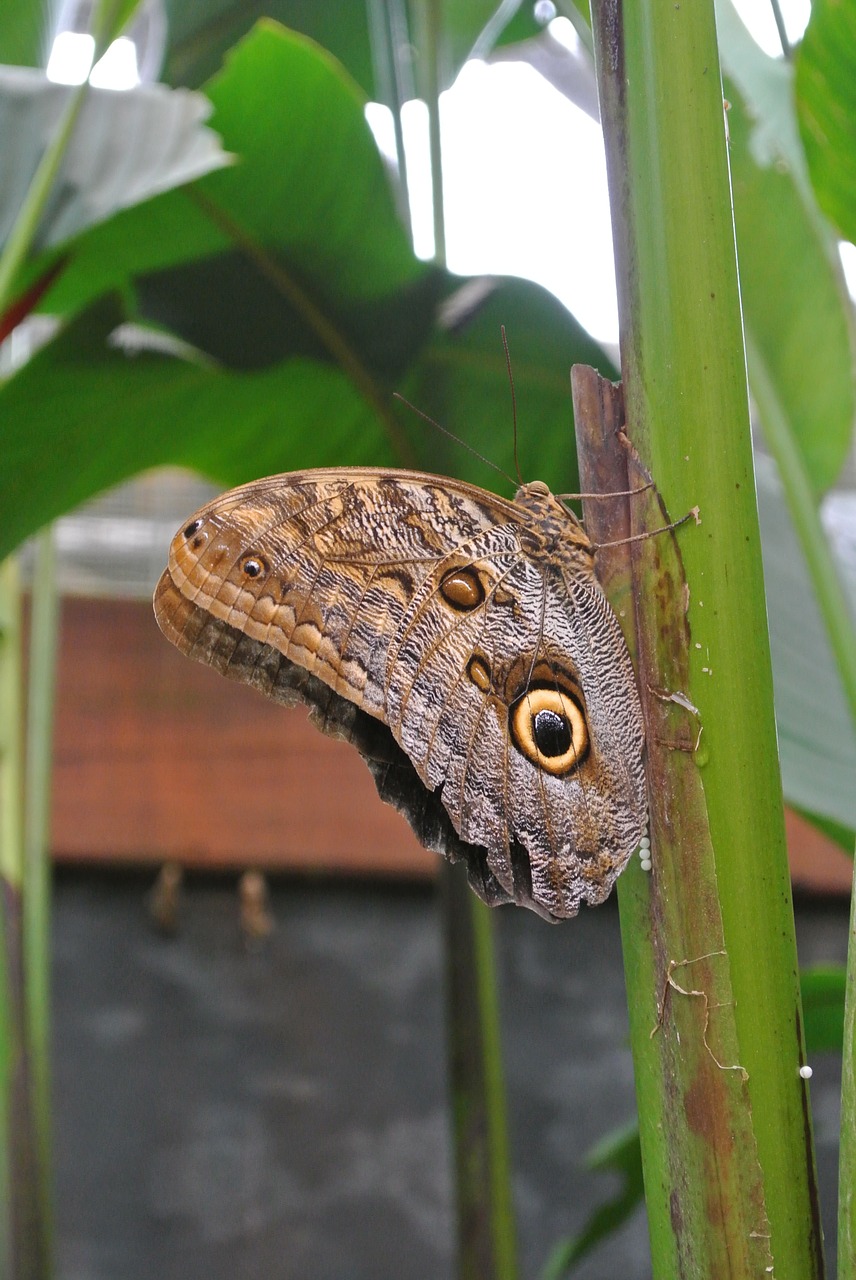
(843, 836)
(462, 381)
(826, 106)
(26, 30)
(796, 309)
(306, 214)
(200, 35)
(822, 989)
(149, 140)
(618, 1152)
(94, 413)
(817, 741)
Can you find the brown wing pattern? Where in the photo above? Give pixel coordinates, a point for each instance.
(464, 623)
(297, 562)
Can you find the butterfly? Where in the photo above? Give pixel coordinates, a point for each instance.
(459, 640)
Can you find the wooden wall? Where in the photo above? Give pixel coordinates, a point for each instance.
(158, 757)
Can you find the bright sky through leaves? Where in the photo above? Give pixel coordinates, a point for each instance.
(515, 203)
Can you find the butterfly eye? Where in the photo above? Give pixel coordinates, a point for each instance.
(462, 588)
(253, 566)
(548, 726)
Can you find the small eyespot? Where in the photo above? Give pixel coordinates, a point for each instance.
(479, 672)
(253, 566)
(193, 527)
(462, 588)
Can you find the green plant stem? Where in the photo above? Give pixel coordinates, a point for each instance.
(36, 870)
(109, 17)
(17, 247)
(804, 513)
(11, 857)
(847, 1153)
(487, 1249)
(431, 13)
(26, 1235)
(484, 1203)
(391, 54)
(780, 27)
(717, 917)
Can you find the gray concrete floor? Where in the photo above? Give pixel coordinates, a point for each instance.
(280, 1113)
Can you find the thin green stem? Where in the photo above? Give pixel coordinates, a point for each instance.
(486, 1231)
(847, 1156)
(499, 1173)
(36, 887)
(11, 764)
(431, 80)
(391, 55)
(486, 1236)
(17, 247)
(803, 508)
(18, 1223)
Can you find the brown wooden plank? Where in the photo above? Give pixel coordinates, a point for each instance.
(158, 757)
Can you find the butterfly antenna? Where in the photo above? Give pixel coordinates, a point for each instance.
(513, 401)
(451, 435)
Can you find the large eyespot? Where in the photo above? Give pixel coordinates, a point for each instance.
(548, 725)
(193, 527)
(462, 588)
(253, 566)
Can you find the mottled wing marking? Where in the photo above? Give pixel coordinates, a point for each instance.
(330, 596)
(330, 585)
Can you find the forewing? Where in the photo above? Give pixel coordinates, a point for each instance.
(317, 566)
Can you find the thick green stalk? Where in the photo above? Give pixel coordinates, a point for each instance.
(717, 918)
(847, 1156)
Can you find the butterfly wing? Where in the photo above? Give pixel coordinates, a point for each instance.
(317, 566)
(531, 651)
(405, 610)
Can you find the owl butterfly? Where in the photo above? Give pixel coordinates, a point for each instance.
(460, 641)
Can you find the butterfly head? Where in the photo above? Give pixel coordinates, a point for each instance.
(554, 527)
